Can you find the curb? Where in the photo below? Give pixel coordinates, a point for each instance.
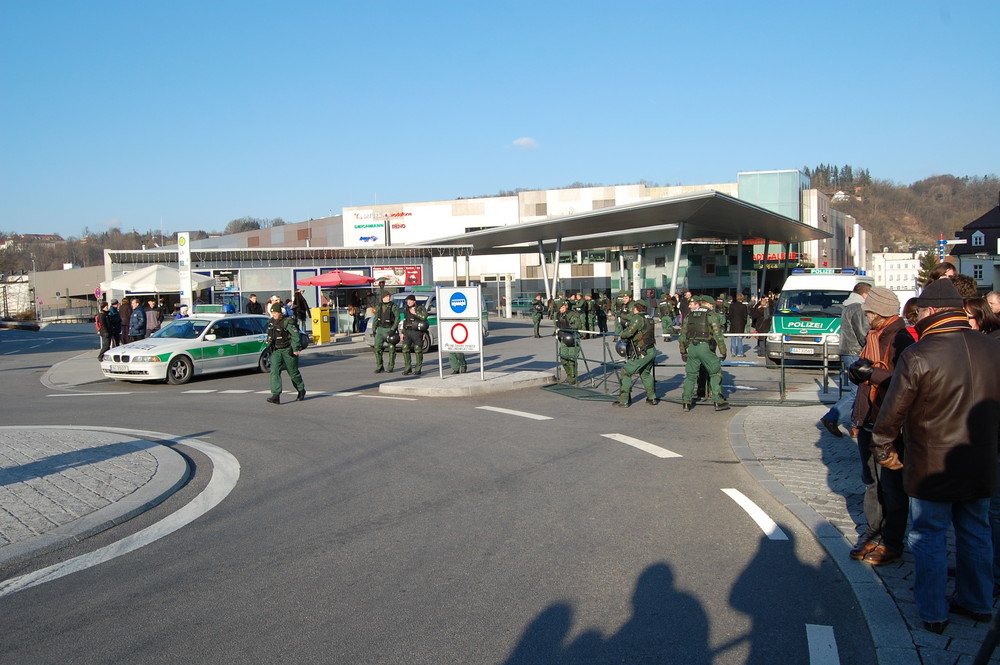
(890, 634)
(467, 385)
(172, 472)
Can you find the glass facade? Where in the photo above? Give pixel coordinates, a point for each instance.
(777, 191)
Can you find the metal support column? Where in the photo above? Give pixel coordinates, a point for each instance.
(545, 271)
(677, 259)
(555, 268)
(763, 272)
(739, 265)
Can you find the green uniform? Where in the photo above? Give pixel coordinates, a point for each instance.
(556, 304)
(283, 339)
(385, 321)
(413, 339)
(457, 362)
(700, 328)
(665, 310)
(537, 309)
(621, 310)
(589, 309)
(703, 377)
(568, 353)
(640, 332)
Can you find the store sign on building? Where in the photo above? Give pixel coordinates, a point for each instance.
(398, 275)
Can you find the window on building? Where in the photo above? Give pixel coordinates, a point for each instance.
(977, 271)
(978, 239)
(541, 209)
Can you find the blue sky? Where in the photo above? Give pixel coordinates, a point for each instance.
(190, 114)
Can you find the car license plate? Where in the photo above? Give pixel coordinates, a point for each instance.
(801, 351)
(118, 368)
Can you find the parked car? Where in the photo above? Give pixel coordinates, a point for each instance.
(200, 344)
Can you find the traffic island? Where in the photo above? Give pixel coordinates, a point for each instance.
(430, 384)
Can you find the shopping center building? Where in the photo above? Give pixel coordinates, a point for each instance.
(723, 237)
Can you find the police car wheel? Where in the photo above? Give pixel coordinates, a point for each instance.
(264, 364)
(425, 343)
(179, 370)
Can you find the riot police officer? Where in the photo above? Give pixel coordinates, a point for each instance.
(700, 328)
(386, 321)
(589, 312)
(665, 310)
(639, 336)
(567, 324)
(623, 308)
(414, 327)
(603, 304)
(283, 340)
(537, 310)
(554, 310)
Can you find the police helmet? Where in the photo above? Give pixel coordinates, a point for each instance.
(567, 337)
(621, 347)
(392, 338)
(423, 326)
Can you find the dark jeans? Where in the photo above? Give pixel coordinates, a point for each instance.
(105, 345)
(886, 505)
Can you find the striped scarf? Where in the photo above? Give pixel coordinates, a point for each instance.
(949, 321)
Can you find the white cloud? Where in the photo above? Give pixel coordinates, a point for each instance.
(526, 143)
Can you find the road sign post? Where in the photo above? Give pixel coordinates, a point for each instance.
(460, 325)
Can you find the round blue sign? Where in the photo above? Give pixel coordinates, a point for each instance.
(458, 302)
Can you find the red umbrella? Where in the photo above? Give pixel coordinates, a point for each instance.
(335, 278)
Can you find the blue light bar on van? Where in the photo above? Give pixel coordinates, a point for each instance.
(825, 271)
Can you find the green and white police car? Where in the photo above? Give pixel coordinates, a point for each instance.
(199, 344)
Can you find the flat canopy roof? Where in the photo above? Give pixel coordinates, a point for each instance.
(706, 215)
(280, 256)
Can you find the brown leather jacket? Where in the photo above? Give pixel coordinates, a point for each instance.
(945, 398)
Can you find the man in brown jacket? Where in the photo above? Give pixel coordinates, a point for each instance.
(945, 398)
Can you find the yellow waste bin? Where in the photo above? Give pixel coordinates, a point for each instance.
(320, 325)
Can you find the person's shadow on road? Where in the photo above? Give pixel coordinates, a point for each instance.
(666, 626)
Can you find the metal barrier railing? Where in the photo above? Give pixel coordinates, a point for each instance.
(610, 364)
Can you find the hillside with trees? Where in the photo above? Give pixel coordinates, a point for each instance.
(905, 217)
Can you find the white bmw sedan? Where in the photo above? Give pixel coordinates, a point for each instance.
(200, 344)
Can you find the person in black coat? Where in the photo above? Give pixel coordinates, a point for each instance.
(738, 314)
(760, 319)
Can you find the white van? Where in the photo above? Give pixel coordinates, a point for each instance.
(806, 319)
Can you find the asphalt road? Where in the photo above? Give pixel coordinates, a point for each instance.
(367, 529)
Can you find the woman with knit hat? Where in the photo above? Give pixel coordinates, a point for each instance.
(885, 502)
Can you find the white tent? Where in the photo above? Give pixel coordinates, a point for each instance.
(156, 279)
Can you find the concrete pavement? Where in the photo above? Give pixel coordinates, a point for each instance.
(63, 484)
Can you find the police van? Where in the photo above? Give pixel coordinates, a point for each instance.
(806, 319)
(426, 296)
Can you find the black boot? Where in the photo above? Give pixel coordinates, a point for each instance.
(301, 396)
(275, 399)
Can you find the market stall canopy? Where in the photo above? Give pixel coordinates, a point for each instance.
(335, 278)
(156, 279)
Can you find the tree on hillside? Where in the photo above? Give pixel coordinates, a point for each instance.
(927, 263)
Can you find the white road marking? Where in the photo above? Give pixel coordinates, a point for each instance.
(199, 392)
(822, 645)
(234, 392)
(225, 474)
(644, 446)
(766, 524)
(511, 412)
(86, 394)
(405, 399)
